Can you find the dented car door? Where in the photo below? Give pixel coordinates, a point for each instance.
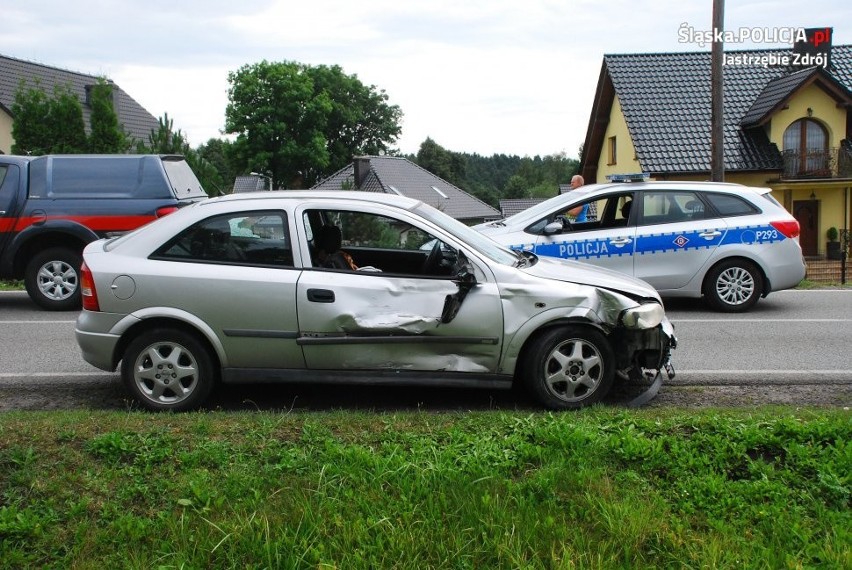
(359, 320)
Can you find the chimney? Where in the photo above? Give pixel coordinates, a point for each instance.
(362, 169)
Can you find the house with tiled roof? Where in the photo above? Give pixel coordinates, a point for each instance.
(396, 175)
(136, 121)
(784, 127)
(512, 206)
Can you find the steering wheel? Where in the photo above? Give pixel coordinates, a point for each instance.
(433, 260)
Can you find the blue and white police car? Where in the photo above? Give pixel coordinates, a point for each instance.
(728, 243)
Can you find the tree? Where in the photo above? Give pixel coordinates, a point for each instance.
(360, 122)
(30, 128)
(300, 123)
(107, 136)
(441, 162)
(217, 152)
(166, 140)
(44, 125)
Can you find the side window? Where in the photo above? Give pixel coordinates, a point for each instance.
(729, 205)
(38, 179)
(247, 238)
(111, 177)
(601, 212)
(367, 242)
(9, 180)
(671, 207)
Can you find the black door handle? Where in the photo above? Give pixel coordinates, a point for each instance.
(320, 295)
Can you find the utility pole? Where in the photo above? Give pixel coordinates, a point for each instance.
(717, 136)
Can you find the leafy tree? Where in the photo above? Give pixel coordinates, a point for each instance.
(300, 123)
(279, 122)
(499, 176)
(45, 125)
(516, 187)
(166, 140)
(107, 136)
(360, 122)
(30, 128)
(218, 153)
(441, 162)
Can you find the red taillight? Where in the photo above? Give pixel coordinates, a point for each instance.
(166, 210)
(789, 228)
(87, 289)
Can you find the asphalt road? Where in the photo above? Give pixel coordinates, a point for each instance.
(793, 348)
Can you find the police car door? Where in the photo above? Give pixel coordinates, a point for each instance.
(675, 236)
(606, 238)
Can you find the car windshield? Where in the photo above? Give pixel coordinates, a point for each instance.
(481, 243)
(543, 208)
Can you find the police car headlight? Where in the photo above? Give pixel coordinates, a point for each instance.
(645, 316)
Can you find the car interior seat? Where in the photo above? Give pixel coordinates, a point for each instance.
(328, 240)
(625, 209)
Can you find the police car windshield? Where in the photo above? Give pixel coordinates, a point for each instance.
(542, 208)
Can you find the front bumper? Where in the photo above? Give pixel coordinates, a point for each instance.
(645, 354)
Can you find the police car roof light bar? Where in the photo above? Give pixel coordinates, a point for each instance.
(635, 177)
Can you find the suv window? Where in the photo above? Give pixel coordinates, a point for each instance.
(182, 178)
(106, 177)
(729, 205)
(671, 207)
(251, 238)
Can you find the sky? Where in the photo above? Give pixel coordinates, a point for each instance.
(477, 76)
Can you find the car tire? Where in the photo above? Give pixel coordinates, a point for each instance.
(52, 279)
(733, 286)
(168, 370)
(569, 367)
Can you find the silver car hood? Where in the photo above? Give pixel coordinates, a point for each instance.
(585, 274)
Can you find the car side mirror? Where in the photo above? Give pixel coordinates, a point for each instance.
(465, 280)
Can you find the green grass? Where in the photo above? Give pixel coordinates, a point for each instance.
(601, 488)
(12, 285)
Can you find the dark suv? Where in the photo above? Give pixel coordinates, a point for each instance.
(52, 206)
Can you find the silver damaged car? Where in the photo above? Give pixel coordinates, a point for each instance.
(305, 286)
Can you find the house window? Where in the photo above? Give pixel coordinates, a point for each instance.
(806, 149)
(611, 156)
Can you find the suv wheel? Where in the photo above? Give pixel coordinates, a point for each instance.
(52, 279)
(733, 286)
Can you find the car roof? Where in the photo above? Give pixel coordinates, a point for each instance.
(261, 198)
(591, 190)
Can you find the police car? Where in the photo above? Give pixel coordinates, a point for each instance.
(729, 243)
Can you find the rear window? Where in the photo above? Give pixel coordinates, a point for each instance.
(106, 177)
(730, 205)
(183, 180)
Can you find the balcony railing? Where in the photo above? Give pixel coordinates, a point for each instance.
(828, 163)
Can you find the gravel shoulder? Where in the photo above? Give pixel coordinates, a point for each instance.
(105, 392)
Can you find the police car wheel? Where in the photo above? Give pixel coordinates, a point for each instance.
(569, 367)
(168, 370)
(733, 286)
(52, 279)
